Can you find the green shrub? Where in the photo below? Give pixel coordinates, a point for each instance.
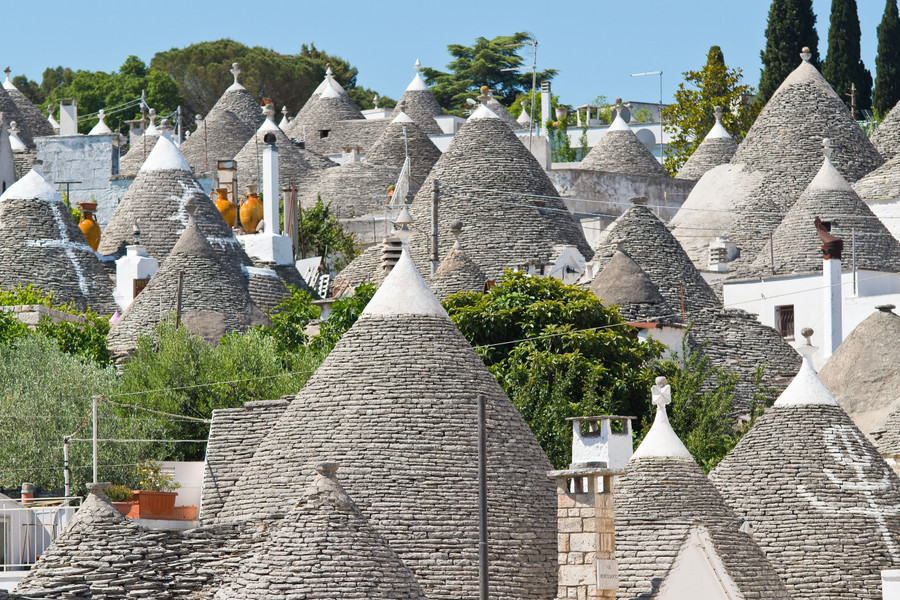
(119, 493)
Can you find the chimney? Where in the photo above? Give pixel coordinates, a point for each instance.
(351, 154)
(832, 247)
(721, 250)
(68, 116)
(594, 443)
(392, 246)
(27, 493)
(270, 185)
(133, 271)
(545, 105)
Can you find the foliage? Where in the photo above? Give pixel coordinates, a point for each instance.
(887, 61)
(843, 66)
(152, 478)
(702, 401)
(560, 144)
(791, 26)
(97, 89)
(344, 313)
(486, 62)
(289, 320)
(176, 372)
(45, 395)
(321, 234)
(119, 493)
(690, 117)
(557, 352)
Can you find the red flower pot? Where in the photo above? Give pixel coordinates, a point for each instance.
(155, 505)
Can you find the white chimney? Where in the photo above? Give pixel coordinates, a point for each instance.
(594, 443)
(271, 197)
(133, 271)
(545, 105)
(831, 282)
(68, 116)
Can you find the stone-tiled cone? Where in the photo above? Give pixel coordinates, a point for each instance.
(11, 112)
(34, 122)
(457, 273)
(220, 136)
(886, 138)
(658, 501)
(422, 107)
(41, 244)
(325, 549)
(321, 114)
(354, 189)
(138, 151)
(294, 164)
(238, 101)
(391, 147)
(822, 503)
(215, 298)
(650, 244)
(711, 153)
(395, 404)
(623, 283)
(620, 151)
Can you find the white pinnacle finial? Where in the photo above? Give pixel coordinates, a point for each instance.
(13, 127)
(418, 66)
(284, 110)
(152, 116)
(269, 111)
(662, 393)
(805, 54)
(828, 150)
(7, 70)
(235, 70)
(375, 100)
(101, 113)
(717, 111)
(328, 71)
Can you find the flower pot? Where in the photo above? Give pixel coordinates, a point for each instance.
(155, 505)
(124, 507)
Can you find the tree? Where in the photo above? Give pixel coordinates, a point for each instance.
(791, 26)
(558, 353)
(486, 62)
(321, 234)
(690, 117)
(843, 66)
(887, 61)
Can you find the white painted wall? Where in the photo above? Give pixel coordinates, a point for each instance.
(190, 475)
(890, 584)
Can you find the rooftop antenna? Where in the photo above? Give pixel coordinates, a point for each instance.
(534, 44)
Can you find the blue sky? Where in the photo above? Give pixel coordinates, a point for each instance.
(595, 45)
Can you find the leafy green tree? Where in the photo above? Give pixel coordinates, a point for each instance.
(486, 62)
(791, 26)
(558, 353)
(344, 314)
(321, 234)
(289, 320)
(887, 61)
(843, 66)
(690, 117)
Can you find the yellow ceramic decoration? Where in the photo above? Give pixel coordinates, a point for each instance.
(225, 206)
(88, 224)
(251, 210)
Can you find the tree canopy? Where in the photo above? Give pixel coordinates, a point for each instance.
(486, 62)
(843, 66)
(887, 61)
(690, 117)
(791, 26)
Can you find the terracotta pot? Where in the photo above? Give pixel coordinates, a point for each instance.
(225, 206)
(251, 210)
(155, 505)
(88, 224)
(124, 507)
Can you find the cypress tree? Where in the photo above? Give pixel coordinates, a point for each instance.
(791, 26)
(843, 65)
(887, 61)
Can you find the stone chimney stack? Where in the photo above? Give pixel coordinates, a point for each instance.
(832, 247)
(68, 116)
(585, 509)
(545, 105)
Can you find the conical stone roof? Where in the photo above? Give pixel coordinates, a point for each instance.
(391, 148)
(139, 151)
(419, 104)
(797, 247)
(882, 184)
(650, 244)
(156, 200)
(717, 148)
(625, 284)
(220, 136)
(238, 101)
(328, 105)
(886, 136)
(457, 273)
(662, 498)
(498, 109)
(863, 374)
(324, 549)
(490, 181)
(40, 244)
(214, 298)
(620, 151)
(387, 404)
(354, 189)
(778, 158)
(294, 164)
(12, 113)
(820, 501)
(33, 122)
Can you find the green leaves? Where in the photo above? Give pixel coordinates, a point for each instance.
(791, 26)
(887, 61)
(321, 234)
(843, 66)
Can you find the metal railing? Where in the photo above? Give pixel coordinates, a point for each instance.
(28, 528)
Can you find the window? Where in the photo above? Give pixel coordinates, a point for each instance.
(784, 320)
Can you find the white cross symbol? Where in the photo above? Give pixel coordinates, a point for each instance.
(662, 393)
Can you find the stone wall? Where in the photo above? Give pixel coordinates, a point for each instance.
(596, 199)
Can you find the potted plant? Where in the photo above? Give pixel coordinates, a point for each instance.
(156, 498)
(120, 495)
